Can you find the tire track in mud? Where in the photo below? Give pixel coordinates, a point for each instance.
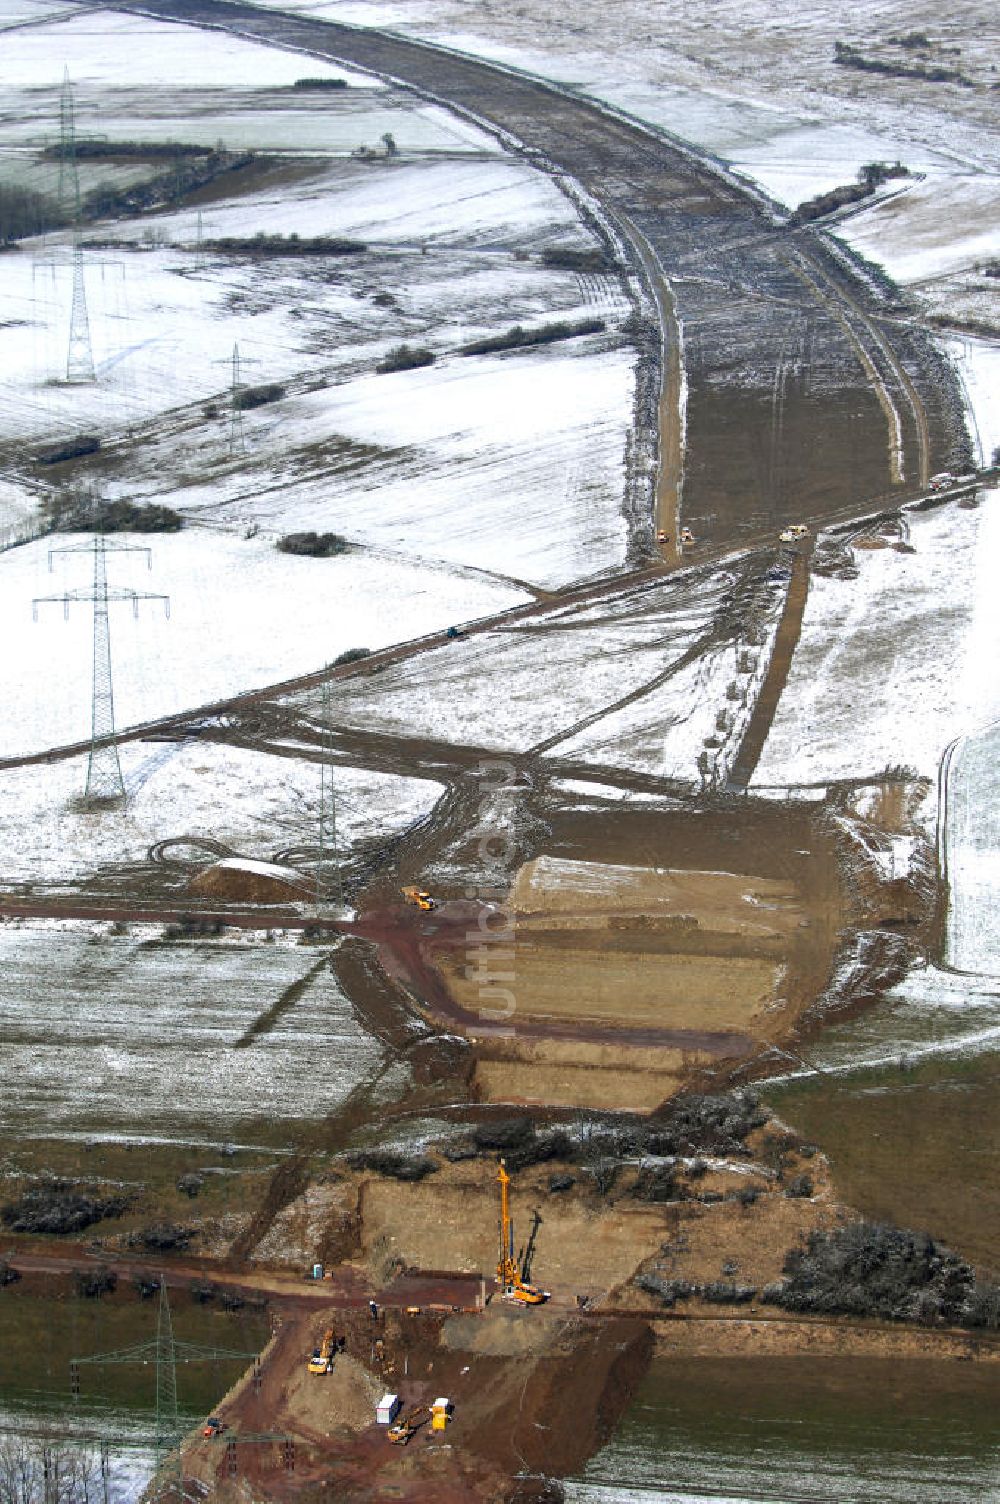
(786, 640)
(266, 1021)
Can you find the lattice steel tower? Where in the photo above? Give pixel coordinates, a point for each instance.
(166, 1352)
(105, 784)
(80, 357)
(329, 882)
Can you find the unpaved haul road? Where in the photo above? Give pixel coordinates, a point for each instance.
(763, 309)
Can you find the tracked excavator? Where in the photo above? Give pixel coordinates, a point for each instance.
(322, 1356)
(512, 1286)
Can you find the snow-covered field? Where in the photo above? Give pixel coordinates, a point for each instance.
(255, 803)
(113, 1033)
(884, 673)
(242, 615)
(117, 51)
(519, 686)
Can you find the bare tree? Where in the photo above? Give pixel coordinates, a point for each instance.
(47, 1470)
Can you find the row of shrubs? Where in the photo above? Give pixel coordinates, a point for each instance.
(851, 57)
(518, 338)
(59, 1207)
(688, 1125)
(870, 176)
(96, 150)
(286, 245)
(108, 200)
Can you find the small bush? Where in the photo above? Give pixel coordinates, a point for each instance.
(723, 1292)
(163, 1236)
(190, 1184)
(116, 517)
(8, 1275)
(657, 1183)
(91, 1284)
(145, 1285)
(314, 545)
(655, 1284)
(502, 1134)
(800, 1188)
(983, 1306)
(70, 449)
(696, 1124)
(604, 1177)
(258, 396)
(560, 1183)
(397, 1166)
(405, 358)
(202, 1291)
(320, 83)
(352, 655)
(577, 261)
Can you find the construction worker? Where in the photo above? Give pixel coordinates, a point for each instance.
(373, 1310)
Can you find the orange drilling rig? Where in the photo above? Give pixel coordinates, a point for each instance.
(512, 1286)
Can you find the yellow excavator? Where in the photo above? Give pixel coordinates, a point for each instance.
(406, 1426)
(512, 1286)
(322, 1356)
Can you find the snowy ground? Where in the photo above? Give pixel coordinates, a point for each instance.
(255, 803)
(873, 682)
(242, 615)
(117, 1034)
(516, 687)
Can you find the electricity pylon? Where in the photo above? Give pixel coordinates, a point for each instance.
(69, 177)
(166, 1352)
(80, 368)
(236, 362)
(105, 784)
(329, 883)
(80, 356)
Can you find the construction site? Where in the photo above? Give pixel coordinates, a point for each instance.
(496, 854)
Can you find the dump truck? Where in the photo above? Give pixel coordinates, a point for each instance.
(418, 896)
(322, 1356)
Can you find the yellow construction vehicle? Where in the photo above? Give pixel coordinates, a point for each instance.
(512, 1286)
(420, 898)
(322, 1356)
(406, 1426)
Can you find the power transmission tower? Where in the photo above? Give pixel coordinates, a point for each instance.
(105, 784)
(236, 363)
(69, 177)
(80, 368)
(80, 356)
(166, 1352)
(329, 882)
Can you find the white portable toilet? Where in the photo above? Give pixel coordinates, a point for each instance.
(388, 1409)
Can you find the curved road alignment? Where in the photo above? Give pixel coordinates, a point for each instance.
(676, 202)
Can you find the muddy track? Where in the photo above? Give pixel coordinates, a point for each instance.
(746, 315)
(785, 642)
